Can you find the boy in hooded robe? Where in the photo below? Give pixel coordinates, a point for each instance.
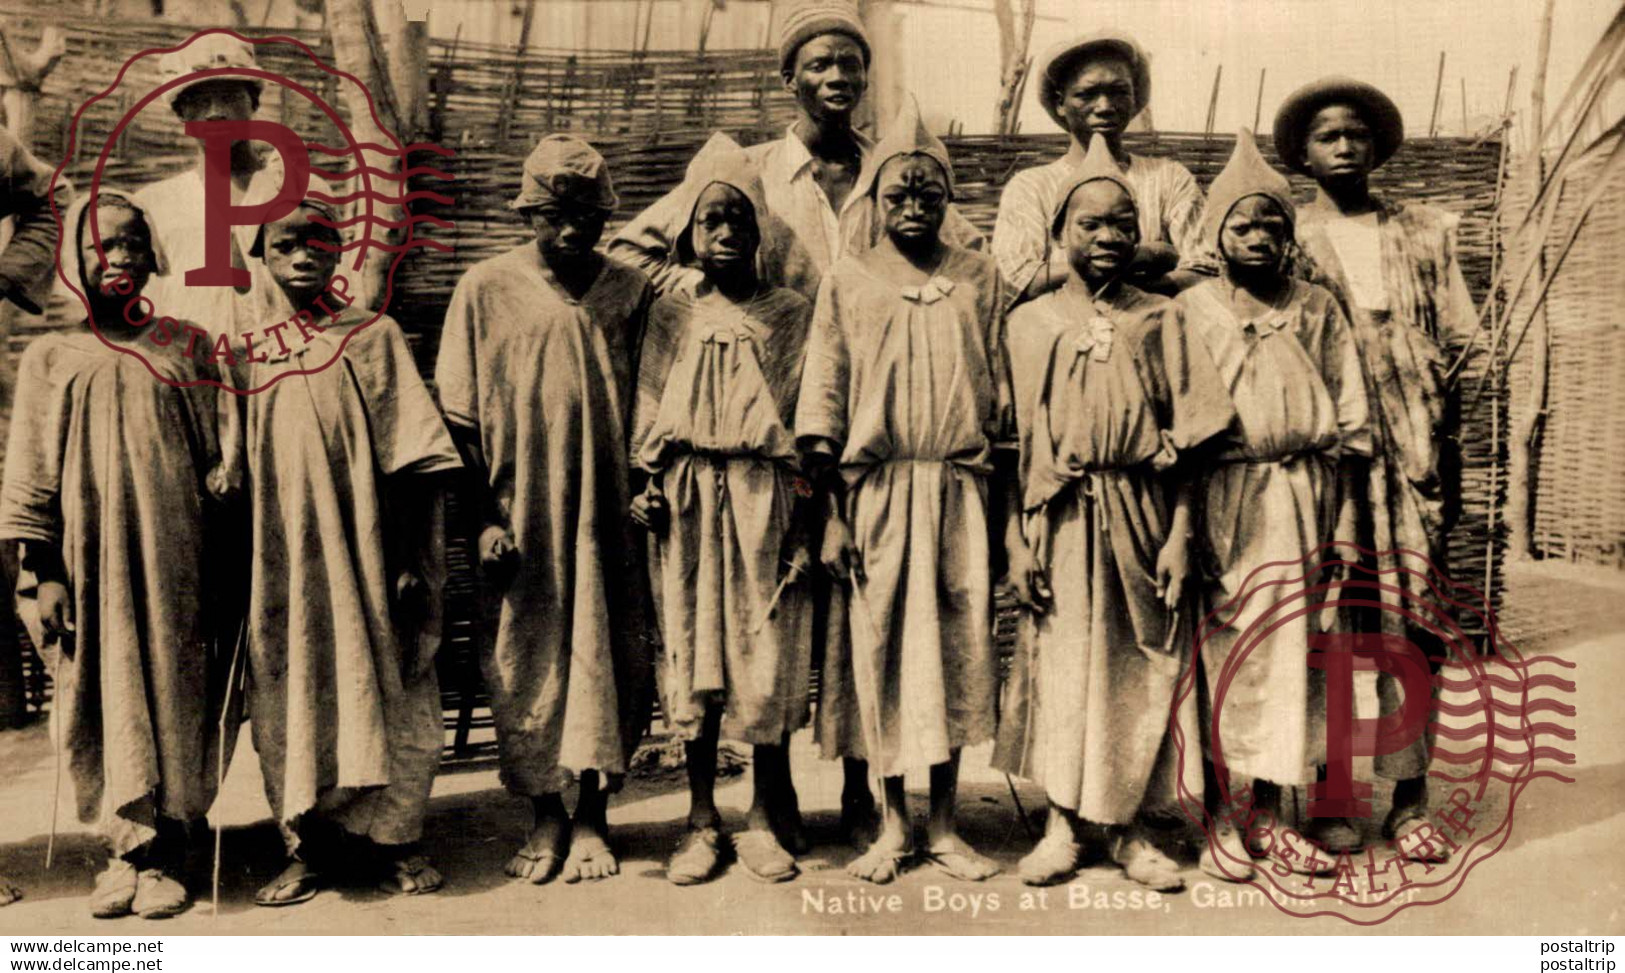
(536, 373)
(904, 392)
(1279, 488)
(105, 489)
(718, 379)
(346, 462)
(1109, 398)
(1393, 266)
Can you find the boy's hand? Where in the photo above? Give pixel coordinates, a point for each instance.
(220, 483)
(1173, 565)
(1027, 580)
(53, 612)
(649, 510)
(498, 556)
(839, 555)
(410, 599)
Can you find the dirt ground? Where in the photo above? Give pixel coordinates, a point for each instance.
(1560, 870)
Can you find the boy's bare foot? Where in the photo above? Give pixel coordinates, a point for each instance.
(410, 875)
(9, 891)
(590, 859)
(115, 890)
(1412, 839)
(884, 860)
(1145, 863)
(762, 857)
(696, 858)
(542, 855)
(297, 883)
(1052, 860)
(1225, 857)
(158, 896)
(1335, 835)
(950, 853)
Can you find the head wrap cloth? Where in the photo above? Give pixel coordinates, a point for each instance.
(565, 168)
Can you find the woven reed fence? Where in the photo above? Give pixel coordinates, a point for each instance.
(1578, 471)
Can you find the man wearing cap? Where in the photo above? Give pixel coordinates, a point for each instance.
(1095, 84)
(536, 372)
(177, 202)
(1393, 266)
(808, 176)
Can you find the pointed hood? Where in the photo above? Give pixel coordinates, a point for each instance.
(1246, 174)
(720, 160)
(907, 135)
(1097, 164)
(76, 232)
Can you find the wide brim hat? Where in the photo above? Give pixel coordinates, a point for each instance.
(211, 51)
(1377, 109)
(1058, 65)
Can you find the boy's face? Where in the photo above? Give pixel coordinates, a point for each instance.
(1254, 234)
(127, 242)
(724, 236)
(912, 193)
(1100, 98)
(299, 267)
(216, 100)
(1100, 231)
(1339, 146)
(828, 78)
(566, 231)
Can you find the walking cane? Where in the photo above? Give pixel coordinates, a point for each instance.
(232, 679)
(63, 640)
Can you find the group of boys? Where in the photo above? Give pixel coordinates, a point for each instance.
(756, 440)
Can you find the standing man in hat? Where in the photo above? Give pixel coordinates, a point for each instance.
(1393, 267)
(815, 217)
(1097, 84)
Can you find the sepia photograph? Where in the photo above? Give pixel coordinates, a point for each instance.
(811, 468)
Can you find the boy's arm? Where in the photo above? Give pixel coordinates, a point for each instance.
(30, 185)
(1173, 560)
(649, 243)
(416, 560)
(45, 562)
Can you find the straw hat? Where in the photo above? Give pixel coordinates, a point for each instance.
(1059, 64)
(1377, 109)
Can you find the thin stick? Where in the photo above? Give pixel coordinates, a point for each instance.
(56, 746)
(1213, 100)
(773, 603)
(1258, 106)
(880, 728)
(1021, 812)
(220, 755)
(1438, 90)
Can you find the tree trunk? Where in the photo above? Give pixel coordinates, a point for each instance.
(1015, 18)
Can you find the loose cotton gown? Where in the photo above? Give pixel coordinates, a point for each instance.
(909, 382)
(1269, 502)
(344, 702)
(1099, 387)
(717, 396)
(547, 382)
(106, 463)
(1397, 275)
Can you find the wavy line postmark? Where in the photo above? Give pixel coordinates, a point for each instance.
(1487, 723)
(357, 193)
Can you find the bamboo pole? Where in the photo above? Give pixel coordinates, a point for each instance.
(1438, 92)
(1463, 104)
(1521, 449)
(1213, 100)
(1258, 106)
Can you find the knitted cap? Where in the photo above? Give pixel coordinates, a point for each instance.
(1098, 164)
(204, 53)
(1060, 63)
(565, 167)
(807, 19)
(1375, 108)
(1246, 174)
